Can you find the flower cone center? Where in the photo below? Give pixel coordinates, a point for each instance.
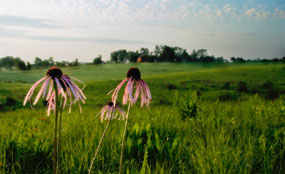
(54, 72)
(134, 73)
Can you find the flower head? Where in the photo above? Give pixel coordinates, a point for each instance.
(65, 87)
(134, 78)
(111, 111)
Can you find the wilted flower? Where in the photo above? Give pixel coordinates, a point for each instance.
(64, 85)
(133, 77)
(111, 111)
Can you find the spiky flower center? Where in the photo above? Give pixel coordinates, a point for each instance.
(54, 72)
(134, 72)
(110, 103)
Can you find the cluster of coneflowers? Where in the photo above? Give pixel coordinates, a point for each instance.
(58, 89)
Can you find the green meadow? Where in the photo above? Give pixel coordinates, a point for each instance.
(204, 118)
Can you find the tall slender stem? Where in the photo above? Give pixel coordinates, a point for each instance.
(100, 142)
(123, 141)
(55, 129)
(59, 133)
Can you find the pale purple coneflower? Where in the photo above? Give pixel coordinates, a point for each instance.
(65, 86)
(133, 78)
(111, 111)
(108, 112)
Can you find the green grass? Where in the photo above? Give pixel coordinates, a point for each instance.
(240, 133)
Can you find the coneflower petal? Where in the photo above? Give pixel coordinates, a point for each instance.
(79, 81)
(41, 91)
(115, 94)
(30, 93)
(143, 96)
(78, 89)
(137, 93)
(130, 88)
(46, 87)
(103, 110)
(50, 103)
(70, 86)
(50, 90)
(108, 114)
(146, 88)
(69, 94)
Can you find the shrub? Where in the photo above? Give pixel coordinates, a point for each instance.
(10, 101)
(187, 104)
(1, 107)
(242, 86)
(272, 94)
(268, 85)
(171, 86)
(225, 97)
(226, 85)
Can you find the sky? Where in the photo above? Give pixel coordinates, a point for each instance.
(84, 29)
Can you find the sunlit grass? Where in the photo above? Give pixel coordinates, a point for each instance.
(242, 135)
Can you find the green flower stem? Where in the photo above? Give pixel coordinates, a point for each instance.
(123, 141)
(59, 133)
(100, 142)
(55, 129)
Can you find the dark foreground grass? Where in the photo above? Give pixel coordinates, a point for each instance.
(233, 137)
(237, 128)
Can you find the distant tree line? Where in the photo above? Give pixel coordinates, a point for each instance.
(11, 63)
(242, 60)
(163, 53)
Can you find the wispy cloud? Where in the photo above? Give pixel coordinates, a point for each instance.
(101, 40)
(7, 20)
(26, 34)
(279, 13)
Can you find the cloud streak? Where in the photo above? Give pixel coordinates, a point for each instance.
(8, 20)
(15, 33)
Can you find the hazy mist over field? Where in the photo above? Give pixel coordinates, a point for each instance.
(81, 29)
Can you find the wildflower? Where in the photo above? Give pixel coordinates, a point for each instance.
(108, 111)
(64, 84)
(133, 78)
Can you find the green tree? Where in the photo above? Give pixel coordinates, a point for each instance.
(7, 62)
(168, 54)
(132, 56)
(97, 60)
(38, 62)
(119, 56)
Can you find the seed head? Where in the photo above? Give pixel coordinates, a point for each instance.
(54, 71)
(134, 72)
(110, 103)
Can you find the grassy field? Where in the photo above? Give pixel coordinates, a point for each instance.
(215, 118)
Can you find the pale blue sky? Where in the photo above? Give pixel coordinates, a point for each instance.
(83, 29)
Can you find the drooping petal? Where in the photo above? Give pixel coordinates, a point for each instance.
(103, 110)
(69, 94)
(126, 93)
(41, 91)
(121, 112)
(137, 93)
(130, 88)
(115, 93)
(50, 102)
(108, 113)
(70, 86)
(78, 89)
(46, 87)
(146, 88)
(30, 92)
(50, 89)
(79, 81)
(143, 95)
